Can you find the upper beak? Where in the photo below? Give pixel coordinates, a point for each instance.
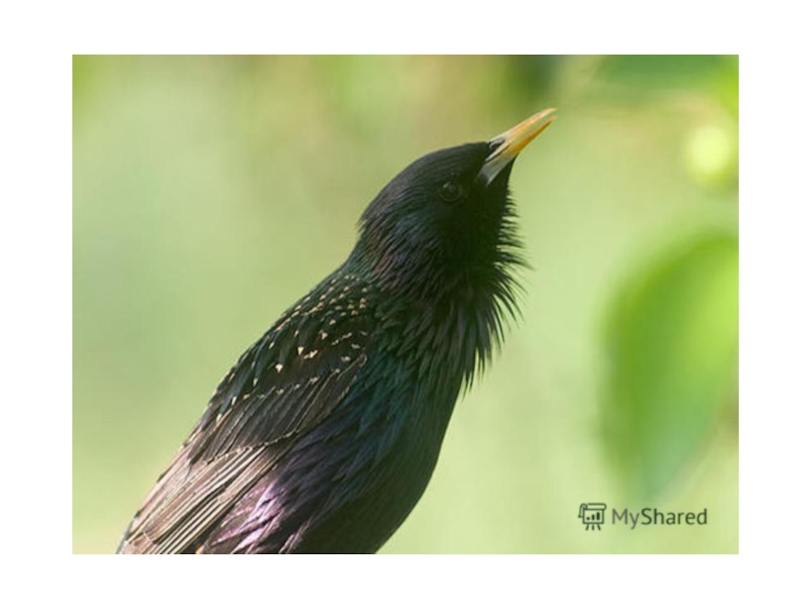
(509, 144)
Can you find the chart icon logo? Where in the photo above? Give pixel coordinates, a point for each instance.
(592, 514)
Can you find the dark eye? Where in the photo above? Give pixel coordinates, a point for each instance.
(450, 191)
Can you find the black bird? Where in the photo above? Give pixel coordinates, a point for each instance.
(325, 433)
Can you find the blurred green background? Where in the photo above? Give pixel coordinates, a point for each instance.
(212, 192)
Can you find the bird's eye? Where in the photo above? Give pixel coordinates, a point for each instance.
(450, 191)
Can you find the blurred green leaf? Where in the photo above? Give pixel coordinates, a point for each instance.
(673, 344)
(664, 71)
(643, 76)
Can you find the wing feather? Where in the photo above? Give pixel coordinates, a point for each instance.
(257, 412)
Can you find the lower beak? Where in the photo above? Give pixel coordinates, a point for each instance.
(509, 144)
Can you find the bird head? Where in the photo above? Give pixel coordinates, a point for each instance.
(447, 218)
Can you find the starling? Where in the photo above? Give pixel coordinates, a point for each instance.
(325, 433)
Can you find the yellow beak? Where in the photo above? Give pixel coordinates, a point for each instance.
(509, 144)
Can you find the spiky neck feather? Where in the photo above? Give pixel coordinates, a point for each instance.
(446, 314)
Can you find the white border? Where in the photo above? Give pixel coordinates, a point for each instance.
(36, 303)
